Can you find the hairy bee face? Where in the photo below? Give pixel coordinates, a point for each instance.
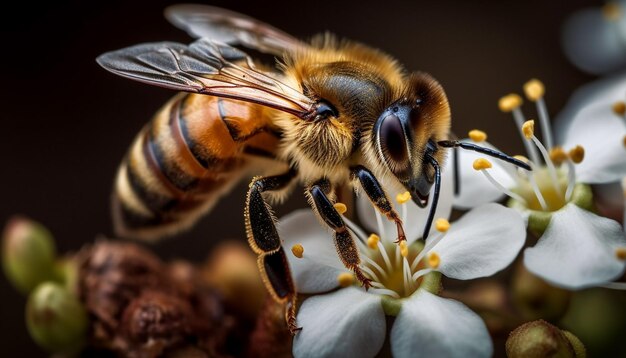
(407, 131)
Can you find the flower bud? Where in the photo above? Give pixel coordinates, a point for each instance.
(28, 254)
(538, 339)
(55, 318)
(534, 298)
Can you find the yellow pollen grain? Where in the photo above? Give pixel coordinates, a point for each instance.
(434, 260)
(404, 249)
(477, 135)
(372, 241)
(612, 11)
(620, 253)
(442, 225)
(345, 279)
(481, 163)
(510, 102)
(619, 108)
(341, 208)
(558, 155)
(297, 250)
(534, 90)
(528, 128)
(577, 154)
(403, 197)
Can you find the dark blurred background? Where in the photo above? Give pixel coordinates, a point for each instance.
(66, 123)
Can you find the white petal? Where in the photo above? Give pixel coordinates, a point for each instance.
(577, 250)
(416, 216)
(474, 188)
(317, 270)
(601, 132)
(432, 326)
(592, 43)
(345, 323)
(483, 242)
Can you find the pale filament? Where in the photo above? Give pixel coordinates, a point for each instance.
(502, 188)
(549, 164)
(544, 119)
(571, 179)
(429, 246)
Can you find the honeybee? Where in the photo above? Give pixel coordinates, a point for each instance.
(332, 113)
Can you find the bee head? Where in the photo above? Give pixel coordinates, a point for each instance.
(407, 132)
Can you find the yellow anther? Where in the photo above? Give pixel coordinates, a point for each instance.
(620, 253)
(612, 11)
(434, 260)
(442, 225)
(345, 279)
(577, 154)
(510, 102)
(624, 141)
(534, 89)
(341, 208)
(403, 197)
(404, 249)
(477, 135)
(619, 108)
(297, 250)
(372, 241)
(481, 163)
(528, 128)
(558, 155)
(522, 158)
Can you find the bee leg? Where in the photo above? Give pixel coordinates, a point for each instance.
(264, 240)
(377, 196)
(344, 243)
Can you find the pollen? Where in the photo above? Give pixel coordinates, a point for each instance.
(297, 250)
(510, 102)
(620, 253)
(481, 163)
(442, 225)
(528, 128)
(403, 197)
(345, 279)
(341, 208)
(577, 154)
(624, 141)
(434, 260)
(372, 241)
(477, 135)
(619, 108)
(534, 90)
(558, 155)
(404, 249)
(612, 11)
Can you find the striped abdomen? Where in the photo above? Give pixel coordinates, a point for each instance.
(192, 152)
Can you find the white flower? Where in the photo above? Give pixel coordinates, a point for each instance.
(577, 248)
(342, 319)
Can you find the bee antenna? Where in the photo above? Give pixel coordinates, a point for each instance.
(483, 150)
(433, 207)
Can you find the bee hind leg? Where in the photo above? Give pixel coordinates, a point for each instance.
(264, 240)
(378, 197)
(344, 243)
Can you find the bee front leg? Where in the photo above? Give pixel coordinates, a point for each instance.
(377, 196)
(344, 243)
(264, 240)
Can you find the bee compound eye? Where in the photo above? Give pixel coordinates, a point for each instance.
(392, 139)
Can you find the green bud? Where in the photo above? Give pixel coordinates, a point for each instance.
(56, 320)
(539, 339)
(534, 298)
(28, 254)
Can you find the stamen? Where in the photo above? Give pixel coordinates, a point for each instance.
(535, 91)
(358, 232)
(404, 250)
(558, 156)
(406, 275)
(611, 11)
(385, 291)
(619, 108)
(341, 208)
(372, 241)
(571, 180)
(620, 253)
(297, 250)
(577, 154)
(376, 266)
(528, 129)
(383, 253)
(379, 223)
(421, 273)
(477, 135)
(403, 197)
(537, 191)
(434, 260)
(480, 165)
(624, 141)
(512, 103)
(442, 225)
(432, 242)
(345, 279)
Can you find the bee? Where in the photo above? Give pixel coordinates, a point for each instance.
(333, 113)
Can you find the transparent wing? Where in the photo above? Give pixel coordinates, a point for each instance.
(206, 67)
(230, 27)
